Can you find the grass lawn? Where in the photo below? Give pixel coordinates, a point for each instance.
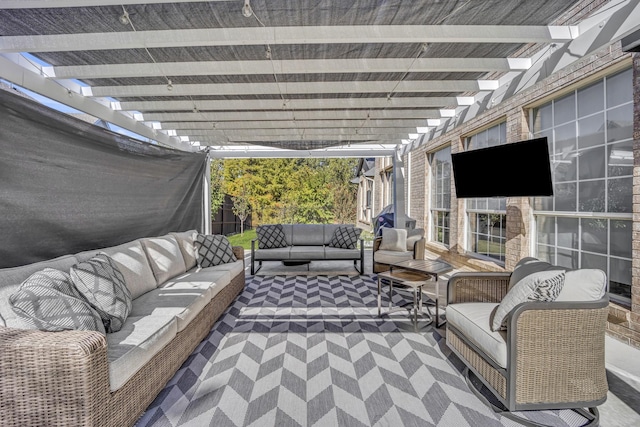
(243, 240)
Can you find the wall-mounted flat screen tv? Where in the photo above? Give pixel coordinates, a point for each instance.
(519, 169)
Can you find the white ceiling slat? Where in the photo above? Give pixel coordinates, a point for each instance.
(294, 104)
(288, 35)
(293, 88)
(280, 124)
(331, 137)
(297, 66)
(356, 131)
(292, 115)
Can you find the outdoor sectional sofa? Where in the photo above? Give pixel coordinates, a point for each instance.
(86, 378)
(302, 243)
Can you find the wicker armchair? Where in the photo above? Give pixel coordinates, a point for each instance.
(382, 262)
(554, 350)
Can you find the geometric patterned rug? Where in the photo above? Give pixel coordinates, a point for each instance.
(311, 351)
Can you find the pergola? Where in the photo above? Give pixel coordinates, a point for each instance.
(276, 78)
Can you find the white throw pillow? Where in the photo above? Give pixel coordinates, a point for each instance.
(543, 286)
(393, 239)
(414, 236)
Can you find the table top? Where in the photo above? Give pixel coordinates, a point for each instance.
(426, 266)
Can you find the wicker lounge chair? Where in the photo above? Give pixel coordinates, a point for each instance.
(552, 353)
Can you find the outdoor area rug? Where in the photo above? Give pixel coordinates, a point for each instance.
(312, 351)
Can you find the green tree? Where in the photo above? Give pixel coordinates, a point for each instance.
(241, 208)
(217, 186)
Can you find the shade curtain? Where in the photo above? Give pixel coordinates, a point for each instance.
(68, 186)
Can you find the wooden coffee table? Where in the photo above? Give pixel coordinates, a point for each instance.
(414, 274)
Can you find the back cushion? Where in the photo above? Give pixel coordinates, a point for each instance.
(308, 234)
(586, 284)
(11, 278)
(329, 229)
(288, 233)
(186, 240)
(131, 260)
(164, 257)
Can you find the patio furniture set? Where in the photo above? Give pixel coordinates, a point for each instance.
(534, 337)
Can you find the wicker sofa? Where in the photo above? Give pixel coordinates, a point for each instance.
(305, 243)
(84, 378)
(551, 355)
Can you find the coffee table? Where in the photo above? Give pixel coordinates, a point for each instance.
(414, 274)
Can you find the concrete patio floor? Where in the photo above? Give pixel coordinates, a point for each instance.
(622, 408)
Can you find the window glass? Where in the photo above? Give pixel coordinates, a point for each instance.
(441, 194)
(591, 99)
(590, 132)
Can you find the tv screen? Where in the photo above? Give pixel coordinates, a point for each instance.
(519, 169)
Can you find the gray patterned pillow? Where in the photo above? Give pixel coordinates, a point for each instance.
(214, 250)
(102, 284)
(345, 237)
(47, 300)
(543, 286)
(271, 236)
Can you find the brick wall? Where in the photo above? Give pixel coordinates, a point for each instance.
(624, 323)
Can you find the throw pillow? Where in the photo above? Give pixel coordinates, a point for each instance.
(345, 237)
(543, 286)
(393, 239)
(271, 236)
(214, 250)
(47, 300)
(102, 284)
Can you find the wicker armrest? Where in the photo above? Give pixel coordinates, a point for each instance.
(238, 251)
(419, 249)
(477, 287)
(376, 243)
(557, 351)
(51, 375)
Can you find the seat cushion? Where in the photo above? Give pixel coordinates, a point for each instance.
(187, 240)
(164, 257)
(272, 254)
(183, 301)
(140, 338)
(214, 278)
(473, 320)
(11, 278)
(390, 257)
(393, 239)
(306, 252)
(102, 284)
(337, 253)
(232, 268)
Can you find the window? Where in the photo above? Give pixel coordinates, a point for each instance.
(487, 217)
(587, 223)
(441, 195)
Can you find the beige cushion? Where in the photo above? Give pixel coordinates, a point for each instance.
(391, 257)
(184, 302)
(133, 346)
(583, 285)
(473, 320)
(132, 262)
(393, 239)
(165, 257)
(186, 240)
(233, 268)
(216, 280)
(414, 236)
